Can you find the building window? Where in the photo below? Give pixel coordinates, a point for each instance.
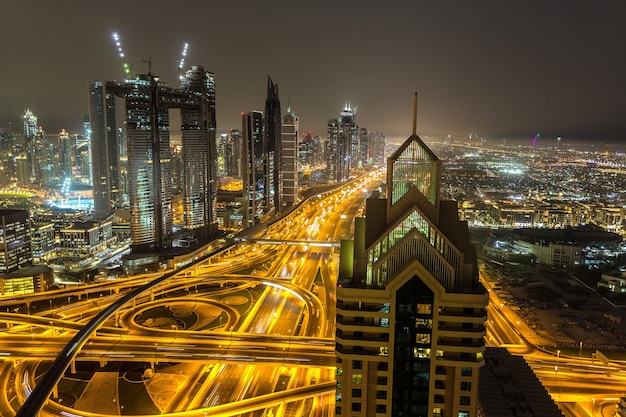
(357, 378)
(339, 371)
(357, 364)
(440, 370)
(422, 338)
(381, 395)
(466, 386)
(381, 380)
(337, 411)
(464, 414)
(424, 308)
(356, 407)
(465, 371)
(465, 400)
(383, 366)
(439, 398)
(422, 323)
(381, 409)
(356, 392)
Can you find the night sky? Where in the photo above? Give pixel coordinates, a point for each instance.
(502, 69)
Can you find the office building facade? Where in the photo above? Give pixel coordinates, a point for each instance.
(253, 167)
(410, 309)
(147, 104)
(289, 158)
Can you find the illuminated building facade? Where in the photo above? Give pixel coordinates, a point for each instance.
(43, 238)
(289, 158)
(342, 146)
(199, 152)
(66, 148)
(253, 167)
(410, 309)
(272, 152)
(86, 238)
(105, 150)
(377, 149)
(15, 240)
(147, 105)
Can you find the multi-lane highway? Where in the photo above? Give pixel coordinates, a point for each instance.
(250, 330)
(581, 385)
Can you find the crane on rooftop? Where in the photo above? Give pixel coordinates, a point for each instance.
(181, 61)
(125, 65)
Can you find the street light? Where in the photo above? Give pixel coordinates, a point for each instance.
(556, 367)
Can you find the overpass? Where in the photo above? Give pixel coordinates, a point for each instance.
(297, 242)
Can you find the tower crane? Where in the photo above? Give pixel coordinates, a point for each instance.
(181, 61)
(126, 66)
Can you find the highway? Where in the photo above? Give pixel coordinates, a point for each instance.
(250, 331)
(251, 328)
(581, 385)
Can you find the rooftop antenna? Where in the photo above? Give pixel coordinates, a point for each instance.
(415, 114)
(181, 61)
(125, 65)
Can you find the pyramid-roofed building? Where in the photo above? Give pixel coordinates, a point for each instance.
(410, 309)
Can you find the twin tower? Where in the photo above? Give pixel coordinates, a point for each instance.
(148, 172)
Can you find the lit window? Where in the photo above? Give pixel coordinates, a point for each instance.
(357, 378)
(424, 308)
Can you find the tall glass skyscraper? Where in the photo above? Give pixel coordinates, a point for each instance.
(253, 167)
(105, 152)
(147, 104)
(273, 151)
(289, 158)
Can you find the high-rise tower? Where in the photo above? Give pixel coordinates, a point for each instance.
(105, 152)
(289, 158)
(272, 152)
(199, 152)
(343, 145)
(147, 104)
(410, 309)
(253, 167)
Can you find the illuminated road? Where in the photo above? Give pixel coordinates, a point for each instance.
(260, 342)
(569, 378)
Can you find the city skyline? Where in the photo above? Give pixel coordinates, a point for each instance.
(498, 70)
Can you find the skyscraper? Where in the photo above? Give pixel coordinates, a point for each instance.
(272, 152)
(253, 167)
(105, 152)
(289, 158)
(15, 245)
(343, 145)
(147, 105)
(30, 131)
(410, 309)
(66, 148)
(261, 158)
(198, 126)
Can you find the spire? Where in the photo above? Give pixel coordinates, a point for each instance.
(415, 114)
(272, 89)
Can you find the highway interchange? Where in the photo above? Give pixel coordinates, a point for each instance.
(247, 331)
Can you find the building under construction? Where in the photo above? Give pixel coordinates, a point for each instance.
(147, 125)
